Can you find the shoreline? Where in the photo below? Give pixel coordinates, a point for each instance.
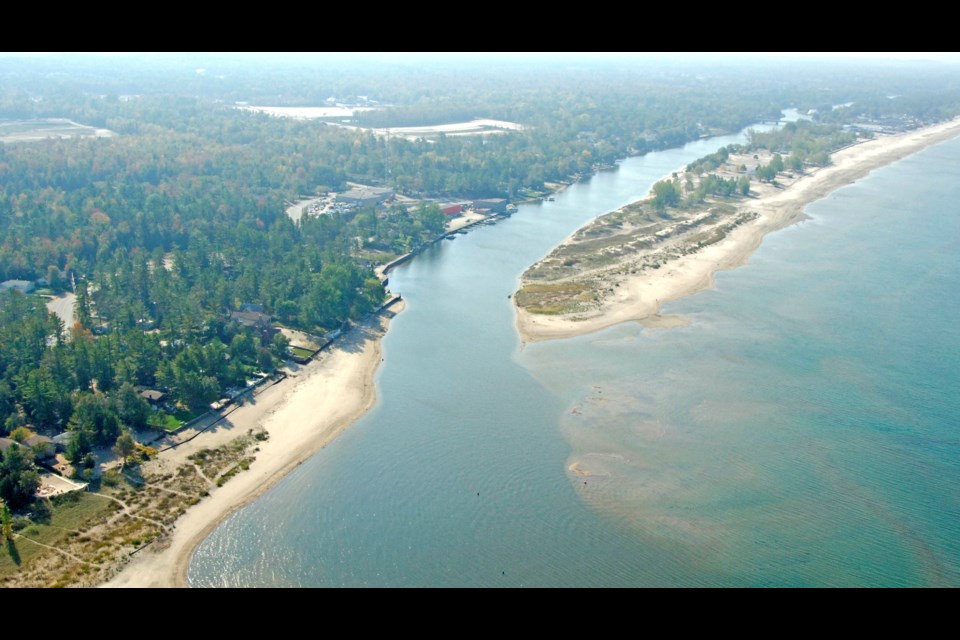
(326, 397)
(640, 296)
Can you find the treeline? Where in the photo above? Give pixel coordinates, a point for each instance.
(802, 142)
(672, 193)
(715, 160)
(566, 135)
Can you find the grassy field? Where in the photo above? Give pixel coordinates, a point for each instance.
(481, 126)
(31, 130)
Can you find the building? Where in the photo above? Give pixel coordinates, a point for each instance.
(256, 320)
(43, 447)
(364, 196)
(23, 286)
(62, 440)
(493, 205)
(6, 443)
(153, 396)
(251, 318)
(451, 209)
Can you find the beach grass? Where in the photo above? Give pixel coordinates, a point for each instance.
(554, 298)
(69, 515)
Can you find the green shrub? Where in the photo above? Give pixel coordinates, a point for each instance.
(111, 477)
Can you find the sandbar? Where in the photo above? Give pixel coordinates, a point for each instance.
(639, 296)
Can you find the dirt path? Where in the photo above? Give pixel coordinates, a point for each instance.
(67, 554)
(127, 511)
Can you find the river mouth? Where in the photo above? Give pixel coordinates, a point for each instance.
(716, 452)
(458, 475)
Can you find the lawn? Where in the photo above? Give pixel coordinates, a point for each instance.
(163, 420)
(381, 257)
(300, 352)
(170, 421)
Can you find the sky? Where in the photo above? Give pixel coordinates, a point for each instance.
(942, 56)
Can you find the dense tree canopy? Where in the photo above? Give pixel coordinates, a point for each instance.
(19, 479)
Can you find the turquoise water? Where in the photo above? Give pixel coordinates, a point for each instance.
(801, 431)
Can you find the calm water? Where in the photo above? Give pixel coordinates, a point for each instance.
(801, 431)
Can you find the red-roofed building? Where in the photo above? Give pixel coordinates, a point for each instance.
(451, 210)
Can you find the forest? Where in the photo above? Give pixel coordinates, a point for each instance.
(179, 219)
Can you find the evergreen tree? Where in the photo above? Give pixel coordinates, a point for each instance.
(19, 479)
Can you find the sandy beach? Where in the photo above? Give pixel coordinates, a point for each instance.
(302, 414)
(639, 297)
